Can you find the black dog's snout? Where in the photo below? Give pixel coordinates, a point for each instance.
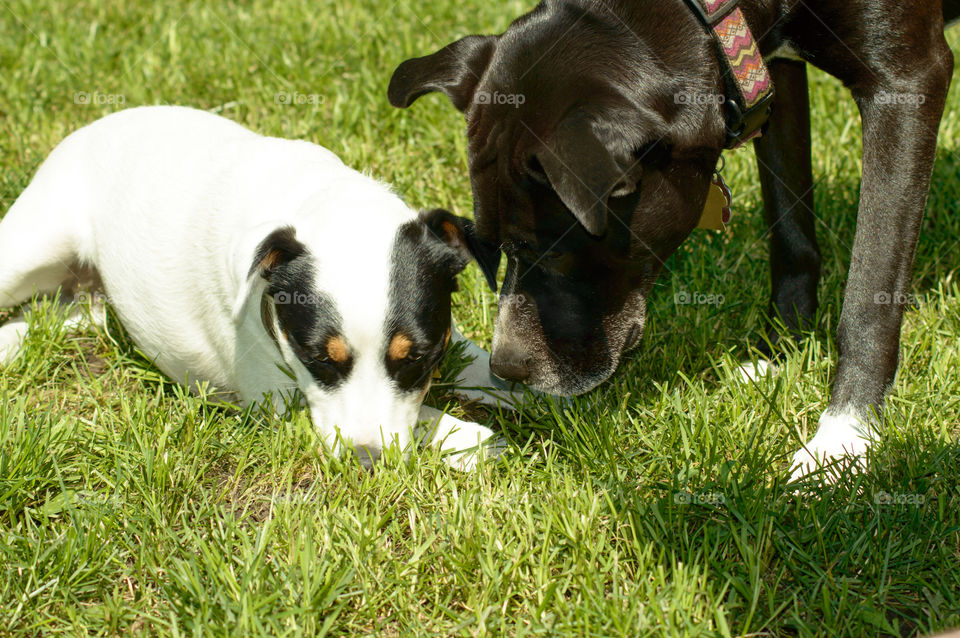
(511, 363)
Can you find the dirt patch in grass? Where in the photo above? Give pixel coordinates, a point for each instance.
(94, 364)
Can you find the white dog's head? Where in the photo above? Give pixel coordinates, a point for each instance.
(361, 316)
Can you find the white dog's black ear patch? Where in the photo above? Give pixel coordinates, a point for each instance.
(306, 319)
(278, 248)
(458, 233)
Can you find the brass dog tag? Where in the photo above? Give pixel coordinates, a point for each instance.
(716, 212)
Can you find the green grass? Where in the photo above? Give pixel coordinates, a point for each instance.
(655, 505)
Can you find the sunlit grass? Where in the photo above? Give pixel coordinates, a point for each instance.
(654, 505)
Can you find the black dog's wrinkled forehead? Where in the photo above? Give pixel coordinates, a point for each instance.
(579, 97)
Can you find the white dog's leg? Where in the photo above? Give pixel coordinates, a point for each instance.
(477, 383)
(38, 249)
(38, 254)
(838, 436)
(12, 334)
(468, 441)
(77, 318)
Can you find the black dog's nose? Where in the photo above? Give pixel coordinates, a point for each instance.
(510, 363)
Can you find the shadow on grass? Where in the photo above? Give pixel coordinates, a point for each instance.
(877, 547)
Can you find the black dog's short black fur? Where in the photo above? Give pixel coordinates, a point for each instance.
(595, 174)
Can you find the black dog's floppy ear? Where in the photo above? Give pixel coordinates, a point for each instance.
(455, 70)
(585, 174)
(278, 248)
(458, 233)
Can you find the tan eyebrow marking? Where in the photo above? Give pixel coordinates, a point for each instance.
(337, 349)
(399, 347)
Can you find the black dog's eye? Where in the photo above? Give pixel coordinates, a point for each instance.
(558, 262)
(656, 154)
(534, 170)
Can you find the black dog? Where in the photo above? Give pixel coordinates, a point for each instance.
(573, 114)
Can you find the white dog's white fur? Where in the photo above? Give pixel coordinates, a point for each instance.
(168, 205)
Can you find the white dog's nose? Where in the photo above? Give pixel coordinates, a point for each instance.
(368, 452)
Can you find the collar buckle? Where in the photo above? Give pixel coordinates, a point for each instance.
(749, 88)
(712, 12)
(743, 126)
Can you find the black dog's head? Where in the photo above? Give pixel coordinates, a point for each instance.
(592, 138)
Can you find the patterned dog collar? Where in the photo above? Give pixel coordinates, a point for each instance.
(749, 87)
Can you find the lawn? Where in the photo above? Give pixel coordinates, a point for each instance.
(655, 505)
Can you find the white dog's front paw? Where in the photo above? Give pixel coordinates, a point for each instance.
(463, 443)
(12, 335)
(838, 436)
(476, 441)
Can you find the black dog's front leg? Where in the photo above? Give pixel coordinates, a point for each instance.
(783, 159)
(901, 111)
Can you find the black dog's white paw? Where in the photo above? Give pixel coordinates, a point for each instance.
(839, 436)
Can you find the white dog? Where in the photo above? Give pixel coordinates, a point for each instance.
(259, 266)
